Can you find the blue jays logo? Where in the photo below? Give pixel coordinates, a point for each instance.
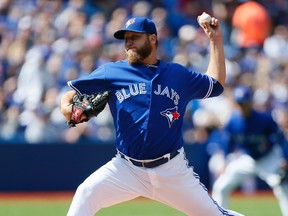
(171, 114)
(129, 22)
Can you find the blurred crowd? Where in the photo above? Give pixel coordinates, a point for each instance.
(44, 44)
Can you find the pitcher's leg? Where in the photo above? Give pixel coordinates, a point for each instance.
(107, 186)
(179, 187)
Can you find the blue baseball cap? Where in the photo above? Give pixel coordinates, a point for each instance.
(242, 94)
(137, 24)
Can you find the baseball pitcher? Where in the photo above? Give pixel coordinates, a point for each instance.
(147, 99)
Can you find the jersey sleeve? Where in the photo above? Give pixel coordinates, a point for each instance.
(90, 84)
(203, 86)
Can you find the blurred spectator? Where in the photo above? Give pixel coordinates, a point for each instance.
(37, 126)
(252, 24)
(224, 10)
(10, 129)
(30, 80)
(141, 9)
(276, 46)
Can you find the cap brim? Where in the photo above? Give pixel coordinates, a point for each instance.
(120, 33)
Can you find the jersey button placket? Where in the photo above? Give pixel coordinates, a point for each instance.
(149, 96)
(148, 117)
(150, 121)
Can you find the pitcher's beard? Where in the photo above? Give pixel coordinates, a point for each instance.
(133, 57)
(137, 56)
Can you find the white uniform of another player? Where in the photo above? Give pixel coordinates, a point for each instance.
(254, 140)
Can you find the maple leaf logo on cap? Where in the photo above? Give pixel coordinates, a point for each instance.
(129, 22)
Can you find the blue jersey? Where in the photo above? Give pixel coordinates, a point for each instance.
(148, 103)
(255, 134)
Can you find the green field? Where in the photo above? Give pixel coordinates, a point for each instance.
(260, 205)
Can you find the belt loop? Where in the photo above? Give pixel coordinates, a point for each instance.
(168, 155)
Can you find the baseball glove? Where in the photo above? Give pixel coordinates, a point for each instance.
(88, 105)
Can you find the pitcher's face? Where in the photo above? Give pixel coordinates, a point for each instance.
(137, 47)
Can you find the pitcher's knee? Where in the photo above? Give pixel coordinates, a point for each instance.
(84, 191)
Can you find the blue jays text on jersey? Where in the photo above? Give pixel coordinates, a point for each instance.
(140, 88)
(148, 103)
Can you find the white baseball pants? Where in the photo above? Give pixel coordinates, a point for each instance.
(173, 183)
